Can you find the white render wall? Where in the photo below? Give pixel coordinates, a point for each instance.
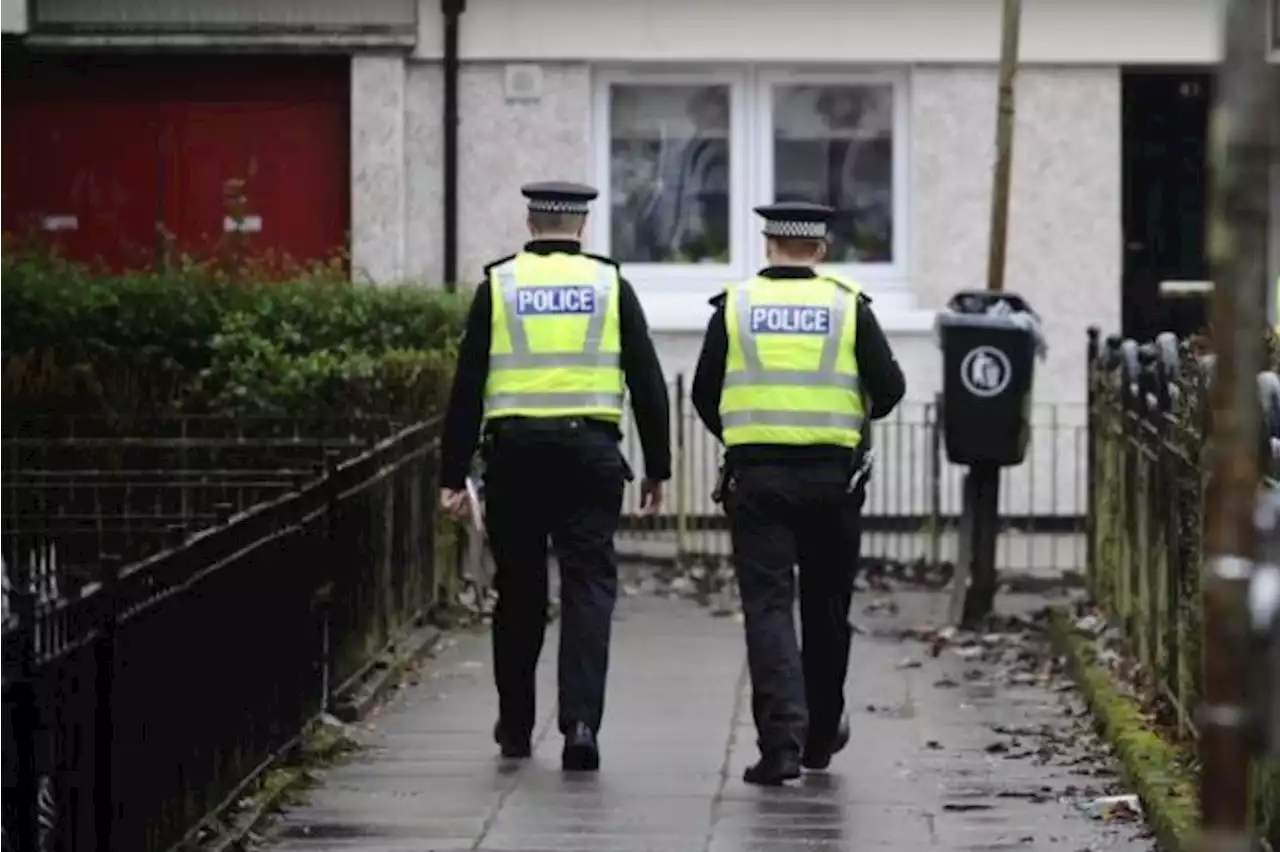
(1064, 239)
(378, 156)
(13, 16)
(885, 32)
(1065, 232)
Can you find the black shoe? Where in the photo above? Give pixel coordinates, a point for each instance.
(773, 769)
(581, 754)
(819, 756)
(513, 747)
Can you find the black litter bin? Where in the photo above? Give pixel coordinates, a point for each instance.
(988, 366)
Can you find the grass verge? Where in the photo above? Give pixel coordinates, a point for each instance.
(236, 830)
(1155, 768)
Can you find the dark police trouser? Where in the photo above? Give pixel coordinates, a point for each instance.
(781, 516)
(565, 485)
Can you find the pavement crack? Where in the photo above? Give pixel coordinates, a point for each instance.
(514, 782)
(726, 765)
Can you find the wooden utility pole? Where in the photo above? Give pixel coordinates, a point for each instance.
(1010, 26)
(981, 526)
(1240, 160)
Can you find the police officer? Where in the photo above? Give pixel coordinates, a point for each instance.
(553, 339)
(792, 367)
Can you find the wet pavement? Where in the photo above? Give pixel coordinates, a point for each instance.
(1034, 555)
(977, 748)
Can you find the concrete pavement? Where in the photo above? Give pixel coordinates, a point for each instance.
(963, 751)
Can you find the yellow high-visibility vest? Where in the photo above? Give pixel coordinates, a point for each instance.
(791, 377)
(556, 340)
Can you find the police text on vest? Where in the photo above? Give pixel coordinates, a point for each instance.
(790, 319)
(555, 300)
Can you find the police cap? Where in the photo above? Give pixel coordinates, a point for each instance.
(559, 196)
(799, 220)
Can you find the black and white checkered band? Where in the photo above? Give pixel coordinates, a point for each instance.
(579, 208)
(796, 230)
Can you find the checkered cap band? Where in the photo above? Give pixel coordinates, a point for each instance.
(796, 230)
(544, 206)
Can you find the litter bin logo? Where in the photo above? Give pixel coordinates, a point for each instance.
(985, 371)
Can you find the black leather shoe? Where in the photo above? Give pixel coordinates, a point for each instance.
(581, 754)
(819, 756)
(773, 769)
(513, 747)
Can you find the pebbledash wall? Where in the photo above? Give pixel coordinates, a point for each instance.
(1065, 233)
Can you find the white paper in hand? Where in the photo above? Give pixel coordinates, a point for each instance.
(479, 567)
(475, 509)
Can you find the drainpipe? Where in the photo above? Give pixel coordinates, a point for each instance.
(452, 11)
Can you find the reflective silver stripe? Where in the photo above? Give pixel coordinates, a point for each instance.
(798, 419)
(793, 378)
(552, 400)
(553, 359)
(521, 357)
(755, 372)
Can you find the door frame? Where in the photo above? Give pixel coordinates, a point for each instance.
(1144, 311)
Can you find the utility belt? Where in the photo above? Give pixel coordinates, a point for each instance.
(591, 437)
(860, 462)
(543, 428)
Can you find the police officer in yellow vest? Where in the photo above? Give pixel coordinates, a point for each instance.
(554, 338)
(793, 366)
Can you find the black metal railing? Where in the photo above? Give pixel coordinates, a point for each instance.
(139, 707)
(77, 487)
(1148, 417)
(914, 500)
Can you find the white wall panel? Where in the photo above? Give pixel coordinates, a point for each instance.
(13, 16)
(829, 31)
(223, 15)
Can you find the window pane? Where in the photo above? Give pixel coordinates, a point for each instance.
(834, 145)
(669, 173)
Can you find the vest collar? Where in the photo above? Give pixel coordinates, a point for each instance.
(553, 247)
(788, 272)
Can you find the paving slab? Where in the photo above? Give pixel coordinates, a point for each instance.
(949, 752)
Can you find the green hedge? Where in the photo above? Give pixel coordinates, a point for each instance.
(204, 339)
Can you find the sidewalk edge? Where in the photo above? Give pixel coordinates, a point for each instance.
(320, 744)
(354, 703)
(1018, 582)
(1153, 766)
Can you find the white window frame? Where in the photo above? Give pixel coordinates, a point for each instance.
(880, 278)
(675, 277)
(675, 295)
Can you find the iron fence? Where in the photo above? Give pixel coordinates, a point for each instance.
(75, 487)
(914, 501)
(1146, 511)
(134, 710)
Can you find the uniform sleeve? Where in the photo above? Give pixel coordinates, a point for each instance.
(708, 377)
(466, 399)
(878, 370)
(647, 385)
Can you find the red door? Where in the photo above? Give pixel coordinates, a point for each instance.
(261, 174)
(103, 154)
(83, 176)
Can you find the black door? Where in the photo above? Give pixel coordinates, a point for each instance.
(1165, 198)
